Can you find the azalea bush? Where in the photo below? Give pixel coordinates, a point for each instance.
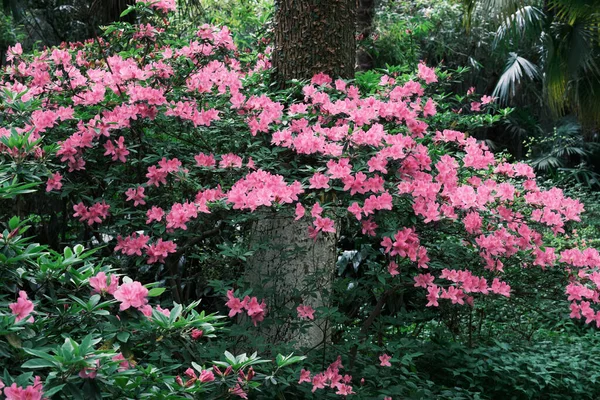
(159, 152)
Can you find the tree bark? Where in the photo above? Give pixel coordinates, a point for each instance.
(313, 36)
(290, 267)
(365, 14)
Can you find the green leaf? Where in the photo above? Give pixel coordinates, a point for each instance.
(13, 223)
(123, 336)
(38, 363)
(48, 393)
(129, 10)
(155, 292)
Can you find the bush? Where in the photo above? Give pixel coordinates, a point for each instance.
(160, 152)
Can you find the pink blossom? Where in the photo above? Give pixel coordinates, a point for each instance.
(100, 284)
(22, 308)
(393, 268)
(133, 244)
(230, 161)
(433, 294)
(305, 312)
(487, 99)
(54, 182)
(204, 160)
(385, 360)
(319, 181)
(154, 214)
(162, 5)
(124, 364)
(131, 295)
(118, 152)
(235, 305)
(136, 195)
(426, 73)
(159, 251)
(299, 211)
(255, 310)
(196, 334)
(304, 376)
(33, 392)
(206, 376)
(90, 372)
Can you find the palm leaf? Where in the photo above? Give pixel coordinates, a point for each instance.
(526, 20)
(516, 68)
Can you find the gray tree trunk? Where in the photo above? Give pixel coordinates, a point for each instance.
(290, 265)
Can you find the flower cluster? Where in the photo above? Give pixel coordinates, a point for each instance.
(254, 310)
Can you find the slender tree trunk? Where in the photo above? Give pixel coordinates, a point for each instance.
(313, 36)
(364, 22)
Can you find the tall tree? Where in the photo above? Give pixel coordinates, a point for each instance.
(313, 36)
(364, 22)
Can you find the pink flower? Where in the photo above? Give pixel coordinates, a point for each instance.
(230, 161)
(164, 311)
(93, 214)
(54, 182)
(159, 251)
(204, 160)
(393, 268)
(385, 360)
(321, 79)
(475, 106)
(255, 310)
(206, 376)
(318, 382)
(99, 283)
(131, 295)
(123, 362)
(433, 296)
(136, 195)
(299, 211)
(196, 334)
(426, 73)
(154, 214)
(89, 372)
(235, 305)
(22, 308)
(133, 244)
(319, 181)
(423, 280)
(238, 391)
(304, 376)
(344, 390)
(305, 312)
(119, 152)
(162, 5)
(34, 392)
(487, 99)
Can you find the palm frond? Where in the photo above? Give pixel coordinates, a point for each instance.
(571, 10)
(526, 20)
(516, 68)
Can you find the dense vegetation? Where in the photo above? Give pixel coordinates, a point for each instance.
(177, 225)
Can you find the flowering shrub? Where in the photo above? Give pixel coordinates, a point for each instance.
(92, 332)
(153, 145)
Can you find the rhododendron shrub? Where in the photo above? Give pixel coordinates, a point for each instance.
(162, 149)
(87, 331)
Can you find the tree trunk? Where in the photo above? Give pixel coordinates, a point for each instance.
(366, 11)
(290, 266)
(313, 36)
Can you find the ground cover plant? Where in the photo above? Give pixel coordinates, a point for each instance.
(142, 161)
